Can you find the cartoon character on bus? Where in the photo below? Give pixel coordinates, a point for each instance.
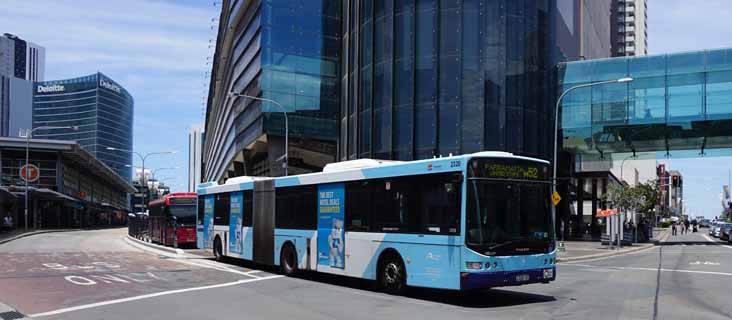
(335, 242)
(210, 230)
(237, 236)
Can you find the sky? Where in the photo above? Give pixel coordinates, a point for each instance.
(683, 25)
(155, 49)
(158, 51)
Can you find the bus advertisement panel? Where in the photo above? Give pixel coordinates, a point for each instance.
(208, 218)
(235, 223)
(331, 239)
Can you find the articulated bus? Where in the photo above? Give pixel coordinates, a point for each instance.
(173, 215)
(462, 222)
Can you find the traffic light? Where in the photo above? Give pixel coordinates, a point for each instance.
(675, 181)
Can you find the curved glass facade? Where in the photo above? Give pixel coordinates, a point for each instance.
(283, 50)
(101, 108)
(424, 78)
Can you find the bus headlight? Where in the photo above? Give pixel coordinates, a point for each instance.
(474, 265)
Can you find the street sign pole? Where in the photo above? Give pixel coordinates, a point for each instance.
(27, 148)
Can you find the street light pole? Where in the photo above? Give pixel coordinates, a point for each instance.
(622, 164)
(28, 135)
(556, 133)
(159, 169)
(142, 159)
(284, 112)
(156, 170)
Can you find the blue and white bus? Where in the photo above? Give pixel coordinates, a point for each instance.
(463, 222)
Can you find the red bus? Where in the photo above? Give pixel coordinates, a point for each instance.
(177, 211)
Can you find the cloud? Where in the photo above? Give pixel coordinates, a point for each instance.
(156, 49)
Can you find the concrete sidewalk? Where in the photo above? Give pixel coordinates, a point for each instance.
(583, 250)
(183, 253)
(19, 233)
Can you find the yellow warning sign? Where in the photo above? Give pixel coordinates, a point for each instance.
(556, 198)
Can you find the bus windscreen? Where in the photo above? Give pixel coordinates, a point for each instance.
(508, 209)
(184, 214)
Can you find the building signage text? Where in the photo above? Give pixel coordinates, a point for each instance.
(50, 88)
(109, 86)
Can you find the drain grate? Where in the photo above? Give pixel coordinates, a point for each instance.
(11, 315)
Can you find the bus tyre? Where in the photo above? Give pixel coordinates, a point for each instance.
(218, 250)
(288, 260)
(392, 277)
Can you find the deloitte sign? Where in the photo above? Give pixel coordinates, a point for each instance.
(109, 86)
(50, 88)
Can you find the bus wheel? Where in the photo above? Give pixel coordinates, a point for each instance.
(217, 250)
(288, 260)
(392, 277)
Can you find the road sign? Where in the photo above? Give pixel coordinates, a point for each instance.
(31, 174)
(556, 198)
(606, 213)
(560, 246)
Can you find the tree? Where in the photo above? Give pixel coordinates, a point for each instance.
(642, 198)
(651, 194)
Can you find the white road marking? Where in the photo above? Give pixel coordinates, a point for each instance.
(650, 269)
(147, 296)
(614, 256)
(712, 240)
(706, 263)
(200, 263)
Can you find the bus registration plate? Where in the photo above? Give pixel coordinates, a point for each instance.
(522, 278)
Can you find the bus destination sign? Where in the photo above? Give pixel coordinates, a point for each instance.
(183, 200)
(509, 169)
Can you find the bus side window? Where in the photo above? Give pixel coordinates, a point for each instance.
(358, 205)
(296, 207)
(440, 205)
(395, 205)
(248, 208)
(221, 209)
(201, 207)
(307, 208)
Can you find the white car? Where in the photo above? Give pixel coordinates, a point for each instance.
(717, 229)
(713, 227)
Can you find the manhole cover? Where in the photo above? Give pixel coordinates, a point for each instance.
(11, 315)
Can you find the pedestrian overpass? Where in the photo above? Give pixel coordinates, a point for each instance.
(675, 102)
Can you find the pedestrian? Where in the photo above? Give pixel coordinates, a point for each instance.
(8, 222)
(673, 228)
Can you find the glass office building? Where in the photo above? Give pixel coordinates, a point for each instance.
(286, 51)
(424, 78)
(675, 102)
(390, 79)
(101, 108)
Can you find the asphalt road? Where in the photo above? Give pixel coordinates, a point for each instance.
(688, 278)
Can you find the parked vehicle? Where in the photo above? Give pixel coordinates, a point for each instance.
(713, 227)
(704, 223)
(718, 229)
(724, 231)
